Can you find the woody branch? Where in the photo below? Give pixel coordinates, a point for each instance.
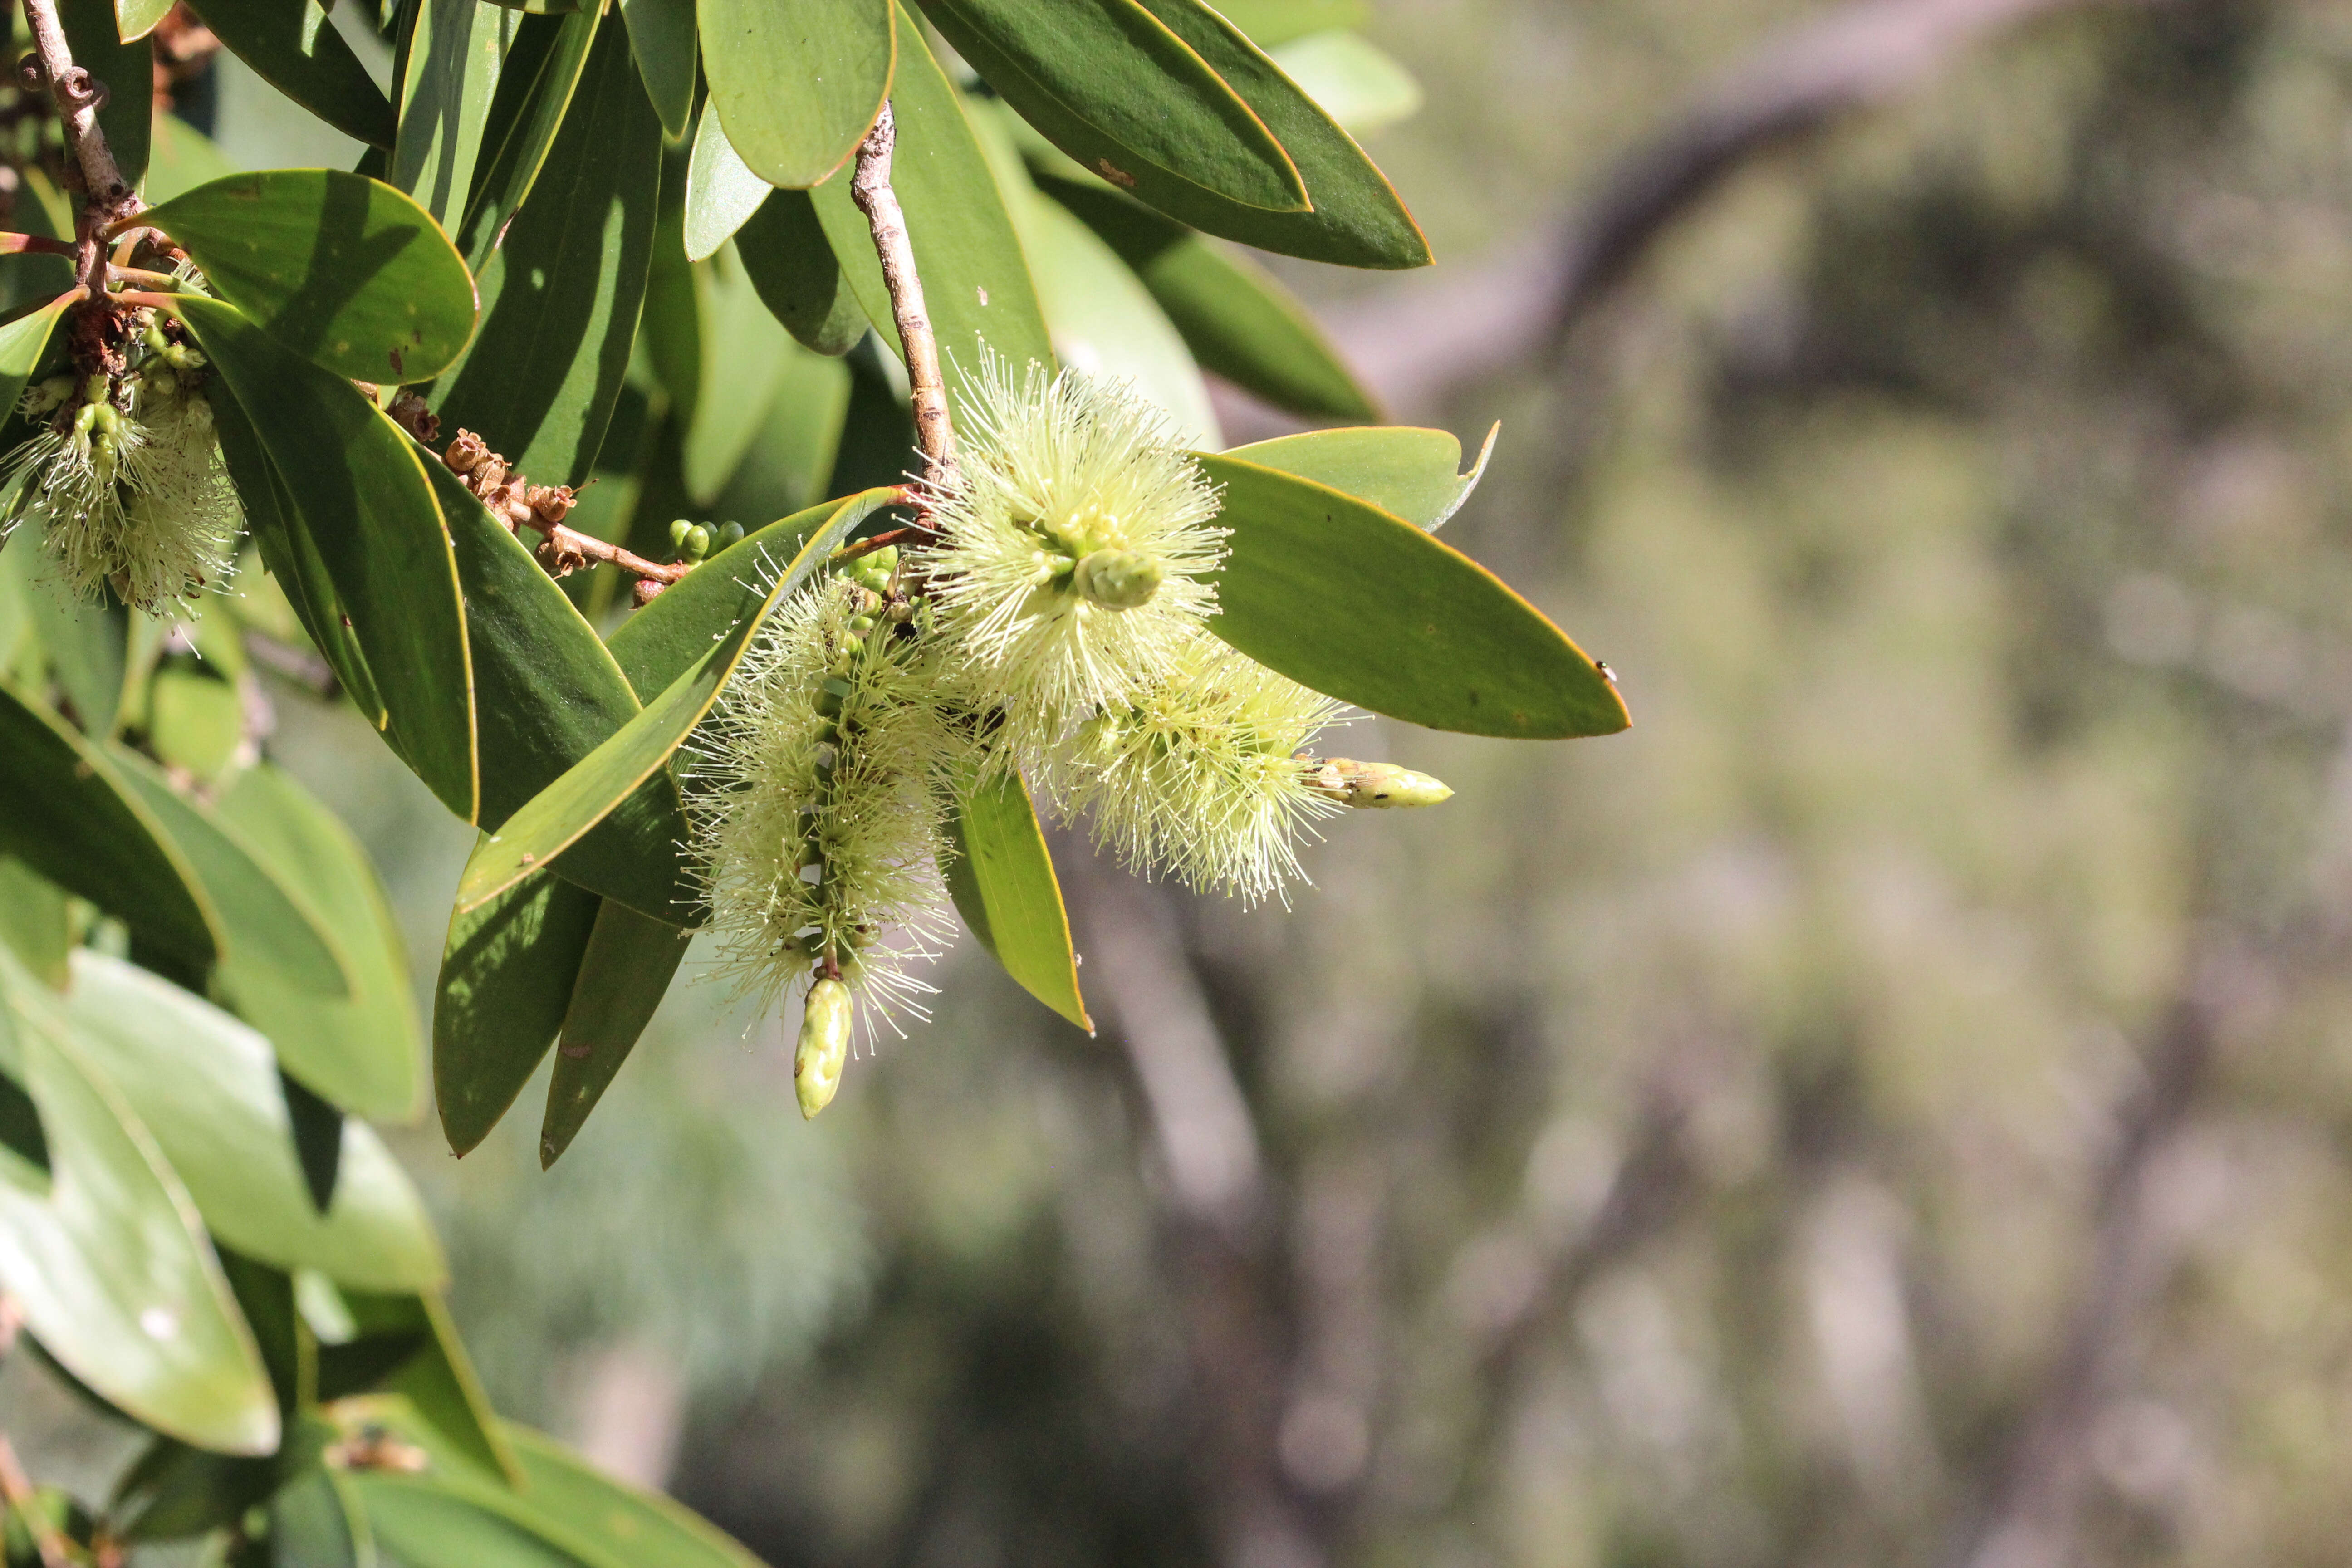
(869, 187)
(90, 169)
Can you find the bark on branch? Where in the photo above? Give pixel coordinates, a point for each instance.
(869, 187)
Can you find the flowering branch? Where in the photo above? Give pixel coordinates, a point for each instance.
(90, 169)
(869, 187)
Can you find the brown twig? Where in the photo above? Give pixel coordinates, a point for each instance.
(517, 503)
(90, 169)
(16, 1490)
(869, 187)
(33, 245)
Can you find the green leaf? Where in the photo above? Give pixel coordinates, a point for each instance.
(1357, 221)
(784, 253)
(661, 642)
(1237, 320)
(1113, 86)
(362, 1055)
(22, 343)
(721, 191)
(128, 73)
(182, 159)
(34, 921)
(1272, 22)
(538, 83)
(643, 1528)
(1351, 80)
(743, 353)
(562, 292)
(592, 790)
(437, 1384)
(507, 974)
(315, 1522)
(455, 51)
(798, 83)
(1004, 885)
(208, 1088)
(435, 1521)
(297, 50)
(661, 36)
(1397, 468)
(73, 821)
(270, 939)
(342, 269)
(967, 251)
(134, 19)
(630, 960)
(195, 722)
(362, 497)
(108, 1261)
(1358, 603)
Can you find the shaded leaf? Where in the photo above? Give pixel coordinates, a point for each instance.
(661, 36)
(361, 496)
(297, 50)
(34, 921)
(342, 269)
(1361, 605)
(538, 81)
(1399, 469)
(720, 191)
(784, 253)
(455, 51)
(743, 352)
(435, 1381)
(628, 969)
(315, 1522)
(1004, 885)
(127, 71)
(797, 83)
(506, 973)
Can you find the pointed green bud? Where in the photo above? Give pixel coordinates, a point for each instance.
(1373, 785)
(1117, 579)
(823, 1047)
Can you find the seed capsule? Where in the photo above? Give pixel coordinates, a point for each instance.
(1373, 785)
(1117, 579)
(823, 1048)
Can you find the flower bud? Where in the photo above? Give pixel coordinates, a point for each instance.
(728, 536)
(823, 1048)
(679, 529)
(1117, 579)
(1373, 785)
(697, 542)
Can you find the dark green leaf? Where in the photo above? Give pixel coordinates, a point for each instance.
(661, 36)
(173, 1491)
(342, 269)
(297, 50)
(790, 262)
(661, 642)
(1113, 86)
(537, 83)
(592, 790)
(455, 52)
(128, 73)
(976, 280)
(1237, 320)
(507, 975)
(363, 1053)
(720, 191)
(361, 495)
(1397, 468)
(797, 83)
(628, 966)
(265, 1296)
(106, 1258)
(1358, 603)
(72, 820)
(1357, 219)
(315, 1522)
(1004, 885)
(33, 923)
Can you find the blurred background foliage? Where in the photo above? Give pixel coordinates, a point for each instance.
(1894, 1106)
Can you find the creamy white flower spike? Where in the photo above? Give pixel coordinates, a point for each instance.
(1074, 547)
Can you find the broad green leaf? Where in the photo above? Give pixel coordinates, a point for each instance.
(643, 1529)
(1351, 80)
(1358, 603)
(743, 352)
(362, 497)
(106, 1258)
(434, 1385)
(1112, 85)
(270, 939)
(315, 1522)
(784, 253)
(134, 19)
(1397, 468)
(1237, 320)
(661, 36)
(33, 923)
(456, 50)
(537, 81)
(561, 293)
(1004, 885)
(592, 790)
(182, 159)
(342, 269)
(207, 1086)
(1357, 221)
(87, 648)
(1105, 323)
(1272, 22)
(294, 48)
(721, 191)
(172, 1491)
(661, 642)
(436, 1521)
(128, 73)
(797, 83)
(22, 343)
(507, 974)
(195, 722)
(976, 282)
(630, 960)
(71, 819)
(362, 1055)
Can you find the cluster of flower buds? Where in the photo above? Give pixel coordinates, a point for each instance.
(696, 540)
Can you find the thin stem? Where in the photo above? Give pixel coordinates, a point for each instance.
(107, 197)
(869, 187)
(16, 1490)
(33, 245)
(873, 542)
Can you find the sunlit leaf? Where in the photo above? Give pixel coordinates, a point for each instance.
(662, 37)
(1003, 881)
(538, 83)
(630, 960)
(743, 352)
(720, 191)
(662, 641)
(784, 253)
(1399, 469)
(294, 48)
(22, 343)
(455, 51)
(33, 923)
(797, 83)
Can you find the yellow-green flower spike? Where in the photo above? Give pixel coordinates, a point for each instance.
(823, 1048)
(1373, 785)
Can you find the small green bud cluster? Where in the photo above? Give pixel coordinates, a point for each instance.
(694, 541)
(125, 475)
